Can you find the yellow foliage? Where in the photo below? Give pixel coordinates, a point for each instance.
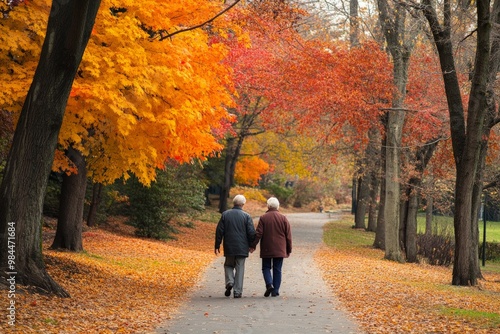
(256, 194)
(288, 153)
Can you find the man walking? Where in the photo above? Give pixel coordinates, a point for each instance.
(235, 229)
(275, 236)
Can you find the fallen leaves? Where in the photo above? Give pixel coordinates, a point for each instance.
(119, 284)
(389, 297)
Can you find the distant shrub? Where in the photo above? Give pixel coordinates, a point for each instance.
(436, 249)
(177, 190)
(282, 193)
(492, 251)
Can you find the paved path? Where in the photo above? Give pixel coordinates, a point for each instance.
(305, 304)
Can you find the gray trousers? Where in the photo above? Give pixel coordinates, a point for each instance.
(234, 269)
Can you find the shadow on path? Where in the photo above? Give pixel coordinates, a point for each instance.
(305, 304)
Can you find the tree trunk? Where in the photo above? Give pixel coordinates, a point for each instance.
(353, 22)
(35, 139)
(354, 195)
(373, 158)
(372, 210)
(70, 221)
(411, 227)
(379, 241)
(233, 148)
(428, 215)
(363, 201)
(94, 204)
(393, 24)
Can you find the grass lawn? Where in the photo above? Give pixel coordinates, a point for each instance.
(445, 224)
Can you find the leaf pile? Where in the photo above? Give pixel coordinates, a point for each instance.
(388, 297)
(119, 284)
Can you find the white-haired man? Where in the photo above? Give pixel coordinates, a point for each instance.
(236, 231)
(275, 236)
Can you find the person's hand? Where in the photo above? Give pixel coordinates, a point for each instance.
(217, 251)
(251, 250)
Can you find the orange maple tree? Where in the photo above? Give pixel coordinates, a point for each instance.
(136, 101)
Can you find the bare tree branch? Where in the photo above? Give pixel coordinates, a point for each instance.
(169, 35)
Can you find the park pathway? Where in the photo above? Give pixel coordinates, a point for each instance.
(305, 305)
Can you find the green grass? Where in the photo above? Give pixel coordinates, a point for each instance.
(445, 224)
(341, 235)
(493, 319)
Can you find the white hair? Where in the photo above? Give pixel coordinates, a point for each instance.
(273, 203)
(239, 200)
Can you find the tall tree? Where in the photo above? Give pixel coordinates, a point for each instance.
(468, 133)
(393, 19)
(126, 87)
(35, 139)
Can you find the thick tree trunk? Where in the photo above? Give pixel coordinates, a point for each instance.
(70, 221)
(35, 139)
(466, 136)
(362, 202)
(95, 203)
(392, 163)
(393, 24)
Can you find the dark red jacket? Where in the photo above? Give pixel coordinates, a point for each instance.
(274, 234)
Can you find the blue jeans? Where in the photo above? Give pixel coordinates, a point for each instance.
(275, 278)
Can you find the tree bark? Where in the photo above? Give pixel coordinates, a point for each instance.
(411, 227)
(372, 209)
(428, 215)
(354, 195)
(35, 139)
(379, 241)
(363, 201)
(70, 221)
(95, 203)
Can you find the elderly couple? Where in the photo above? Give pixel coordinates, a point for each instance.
(239, 237)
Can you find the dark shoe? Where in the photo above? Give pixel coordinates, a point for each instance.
(237, 295)
(229, 286)
(275, 294)
(269, 289)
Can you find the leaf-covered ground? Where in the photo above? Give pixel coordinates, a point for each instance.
(387, 297)
(124, 284)
(119, 284)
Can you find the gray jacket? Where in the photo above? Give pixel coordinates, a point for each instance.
(236, 231)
